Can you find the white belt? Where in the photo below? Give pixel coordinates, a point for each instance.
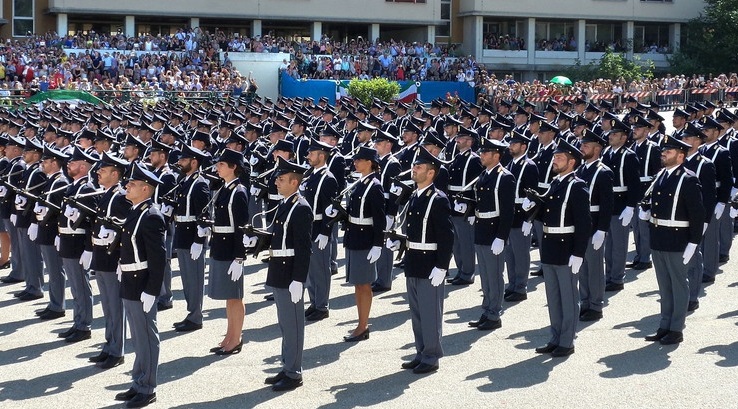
(275, 197)
(185, 219)
(620, 189)
(519, 200)
(487, 215)
(595, 208)
(668, 222)
(455, 188)
(134, 266)
(558, 230)
(282, 253)
(646, 178)
(67, 230)
(544, 185)
(223, 229)
(413, 245)
(317, 217)
(386, 195)
(254, 174)
(99, 242)
(364, 221)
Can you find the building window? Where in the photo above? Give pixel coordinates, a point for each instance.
(22, 18)
(444, 30)
(405, 1)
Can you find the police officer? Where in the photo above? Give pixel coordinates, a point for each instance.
(541, 152)
(11, 176)
(141, 271)
(676, 215)
(389, 169)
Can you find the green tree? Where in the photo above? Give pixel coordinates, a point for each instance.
(611, 65)
(711, 44)
(366, 90)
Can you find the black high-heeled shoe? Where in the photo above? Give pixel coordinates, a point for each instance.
(5, 265)
(233, 351)
(359, 337)
(216, 349)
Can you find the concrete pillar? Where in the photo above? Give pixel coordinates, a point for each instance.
(473, 41)
(130, 26)
(431, 34)
(581, 39)
(629, 34)
(194, 22)
(317, 30)
(373, 32)
(530, 40)
(62, 24)
(255, 28)
(675, 35)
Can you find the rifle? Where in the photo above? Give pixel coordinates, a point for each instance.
(263, 239)
(118, 232)
(404, 195)
(82, 208)
(28, 195)
(337, 204)
(396, 236)
(535, 197)
(52, 208)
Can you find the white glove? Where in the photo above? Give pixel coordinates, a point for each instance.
(40, 211)
(527, 226)
(167, 210)
(528, 204)
(688, 253)
(330, 211)
(395, 190)
(497, 246)
(471, 220)
(644, 215)
(322, 241)
(253, 160)
(719, 209)
(195, 251)
(575, 263)
(249, 242)
(254, 191)
(390, 222)
(374, 254)
(733, 191)
(235, 270)
(106, 234)
(203, 231)
(598, 238)
(626, 216)
(295, 291)
(33, 231)
(436, 276)
(71, 213)
(460, 207)
(57, 243)
(733, 213)
(148, 301)
(3, 191)
(393, 245)
(20, 202)
(86, 259)
(119, 273)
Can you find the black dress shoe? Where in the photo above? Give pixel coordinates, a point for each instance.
(30, 297)
(478, 322)
(425, 368)
(127, 395)
(630, 264)
(724, 258)
(461, 281)
(582, 311)
(20, 294)
(287, 384)
(642, 266)
(359, 337)
(274, 379)
(232, 351)
(269, 297)
(380, 288)
(163, 307)
(671, 338)
(693, 305)
(309, 310)
(490, 325)
(591, 315)
(78, 336)
(411, 364)
(141, 400)
(111, 362)
(537, 273)
(6, 265)
(611, 287)
(707, 279)
(11, 280)
(507, 292)
(546, 349)
(562, 351)
(317, 315)
(52, 315)
(660, 333)
(516, 297)
(42, 312)
(67, 333)
(101, 357)
(187, 326)
(334, 271)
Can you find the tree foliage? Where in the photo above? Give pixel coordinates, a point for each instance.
(366, 90)
(611, 65)
(711, 44)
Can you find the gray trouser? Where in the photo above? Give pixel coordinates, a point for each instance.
(616, 250)
(493, 285)
(695, 271)
(145, 339)
(562, 297)
(426, 311)
(463, 247)
(32, 264)
(671, 275)
(165, 297)
(319, 277)
(592, 279)
(726, 232)
(538, 231)
(517, 259)
(291, 320)
(711, 248)
(334, 247)
(642, 238)
(384, 268)
(112, 306)
(16, 270)
(57, 279)
(192, 273)
(79, 283)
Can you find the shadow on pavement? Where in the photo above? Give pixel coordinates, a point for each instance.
(51, 384)
(651, 358)
(523, 374)
(645, 326)
(376, 391)
(729, 353)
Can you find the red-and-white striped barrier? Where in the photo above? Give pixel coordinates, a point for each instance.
(705, 91)
(670, 92)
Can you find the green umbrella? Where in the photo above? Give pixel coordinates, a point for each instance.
(561, 80)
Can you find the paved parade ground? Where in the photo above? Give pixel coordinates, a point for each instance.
(613, 366)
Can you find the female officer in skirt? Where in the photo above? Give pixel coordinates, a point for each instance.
(364, 235)
(226, 249)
